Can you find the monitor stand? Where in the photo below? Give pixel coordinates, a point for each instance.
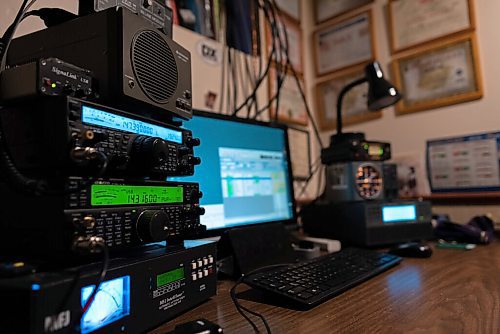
(244, 249)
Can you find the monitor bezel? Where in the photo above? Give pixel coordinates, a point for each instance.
(291, 222)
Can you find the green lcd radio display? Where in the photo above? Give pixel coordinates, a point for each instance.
(112, 194)
(170, 277)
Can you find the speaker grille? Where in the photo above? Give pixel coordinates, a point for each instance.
(154, 66)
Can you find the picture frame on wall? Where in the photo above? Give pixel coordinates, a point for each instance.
(415, 22)
(300, 152)
(344, 44)
(328, 9)
(291, 8)
(292, 109)
(442, 74)
(354, 107)
(294, 34)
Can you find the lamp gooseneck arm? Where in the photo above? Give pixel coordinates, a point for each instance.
(341, 97)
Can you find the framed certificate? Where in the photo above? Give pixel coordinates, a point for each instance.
(413, 22)
(294, 34)
(442, 74)
(354, 107)
(344, 44)
(291, 106)
(326, 9)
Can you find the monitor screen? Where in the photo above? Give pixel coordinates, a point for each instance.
(244, 173)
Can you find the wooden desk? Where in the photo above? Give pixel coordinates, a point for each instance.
(454, 291)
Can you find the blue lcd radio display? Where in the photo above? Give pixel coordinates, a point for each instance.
(98, 117)
(399, 213)
(111, 303)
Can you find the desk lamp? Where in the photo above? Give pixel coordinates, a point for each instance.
(349, 153)
(381, 94)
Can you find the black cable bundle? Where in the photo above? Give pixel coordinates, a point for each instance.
(238, 81)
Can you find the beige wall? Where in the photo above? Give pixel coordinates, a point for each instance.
(408, 133)
(9, 8)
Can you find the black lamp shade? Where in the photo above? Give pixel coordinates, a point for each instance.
(381, 93)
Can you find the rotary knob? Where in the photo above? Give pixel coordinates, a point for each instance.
(152, 225)
(193, 160)
(192, 142)
(194, 210)
(150, 151)
(196, 195)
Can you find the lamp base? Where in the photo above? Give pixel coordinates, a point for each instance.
(352, 146)
(344, 137)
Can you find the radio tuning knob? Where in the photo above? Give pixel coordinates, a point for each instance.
(194, 210)
(192, 142)
(68, 90)
(193, 160)
(200, 210)
(196, 194)
(150, 150)
(152, 225)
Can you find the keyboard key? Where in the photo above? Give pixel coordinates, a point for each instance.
(297, 289)
(314, 291)
(304, 295)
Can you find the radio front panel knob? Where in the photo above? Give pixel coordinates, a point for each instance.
(192, 142)
(149, 151)
(196, 195)
(193, 160)
(152, 225)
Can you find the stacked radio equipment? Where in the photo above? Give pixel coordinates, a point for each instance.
(361, 193)
(90, 136)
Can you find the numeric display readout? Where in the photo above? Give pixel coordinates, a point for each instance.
(111, 194)
(98, 117)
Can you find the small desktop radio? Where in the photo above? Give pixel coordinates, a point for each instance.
(66, 135)
(369, 223)
(126, 214)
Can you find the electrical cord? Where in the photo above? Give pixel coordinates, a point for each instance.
(253, 76)
(316, 166)
(91, 245)
(39, 186)
(105, 263)
(242, 309)
(9, 34)
(85, 246)
(301, 90)
(11, 30)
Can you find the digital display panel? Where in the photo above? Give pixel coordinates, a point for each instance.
(111, 303)
(398, 213)
(111, 194)
(98, 117)
(375, 150)
(169, 277)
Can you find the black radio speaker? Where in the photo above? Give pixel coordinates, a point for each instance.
(134, 63)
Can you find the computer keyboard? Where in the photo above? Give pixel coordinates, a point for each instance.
(311, 283)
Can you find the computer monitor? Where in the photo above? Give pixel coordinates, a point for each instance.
(245, 172)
